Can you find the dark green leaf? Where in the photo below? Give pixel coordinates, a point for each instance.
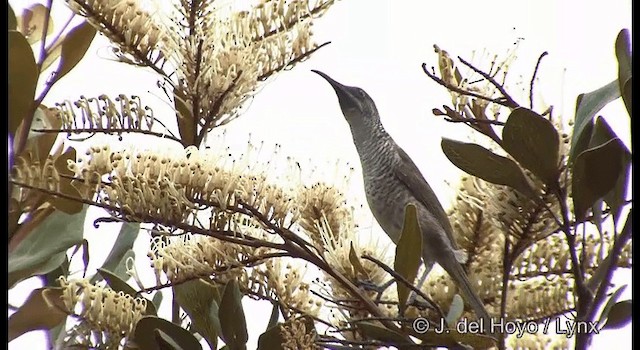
(355, 261)
(165, 342)
(610, 302)
(534, 143)
(85, 256)
(196, 298)
(408, 253)
(595, 173)
(23, 77)
(480, 162)
(615, 198)
(619, 316)
(36, 313)
(75, 45)
(381, 333)
(124, 242)
(623, 53)
(271, 339)
(231, 315)
(157, 299)
(186, 125)
(119, 285)
(275, 314)
(587, 105)
(46, 245)
(146, 332)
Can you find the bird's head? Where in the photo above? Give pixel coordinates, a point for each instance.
(357, 106)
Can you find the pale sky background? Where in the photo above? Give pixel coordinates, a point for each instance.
(380, 47)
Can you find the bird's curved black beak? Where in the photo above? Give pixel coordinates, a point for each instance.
(344, 96)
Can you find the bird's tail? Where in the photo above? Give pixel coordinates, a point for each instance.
(456, 271)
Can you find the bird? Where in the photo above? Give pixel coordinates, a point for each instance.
(392, 181)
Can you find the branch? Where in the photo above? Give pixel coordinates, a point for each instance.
(409, 285)
(508, 101)
(110, 131)
(614, 255)
(533, 78)
(454, 88)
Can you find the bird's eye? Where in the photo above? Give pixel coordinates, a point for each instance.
(361, 93)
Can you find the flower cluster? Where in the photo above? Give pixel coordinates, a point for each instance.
(114, 314)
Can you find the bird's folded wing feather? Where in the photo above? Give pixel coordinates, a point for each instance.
(409, 175)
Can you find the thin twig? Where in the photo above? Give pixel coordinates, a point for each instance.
(508, 101)
(110, 131)
(400, 278)
(533, 78)
(453, 88)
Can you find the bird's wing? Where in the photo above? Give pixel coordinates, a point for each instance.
(409, 175)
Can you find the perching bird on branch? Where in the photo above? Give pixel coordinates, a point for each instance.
(392, 181)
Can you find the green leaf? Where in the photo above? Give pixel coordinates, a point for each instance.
(275, 314)
(157, 299)
(231, 315)
(480, 162)
(534, 143)
(32, 22)
(196, 297)
(23, 77)
(408, 253)
(623, 54)
(383, 334)
(455, 310)
(12, 22)
(75, 45)
(612, 300)
(123, 244)
(619, 315)
(119, 285)
(271, 339)
(36, 313)
(355, 261)
(186, 125)
(165, 342)
(148, 328)
(615, 198)
(46, 245)
(595, 173)
(587, 105)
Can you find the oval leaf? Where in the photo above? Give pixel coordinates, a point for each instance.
(119, 285)
(623, 54)
(587, 105)
(196, 297)
(75, 45)
(36, 313)
(57, 233)
(123, 244)
(408, 253)
(619, 315)
(612, 300)
(355, 261)
(480, 162)
(231, 315)
(31, 22)
(23, 77)
(271, 339)
(595, 173)
(534, 143)
(377, 332)
(455, 310)
(146, 332)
